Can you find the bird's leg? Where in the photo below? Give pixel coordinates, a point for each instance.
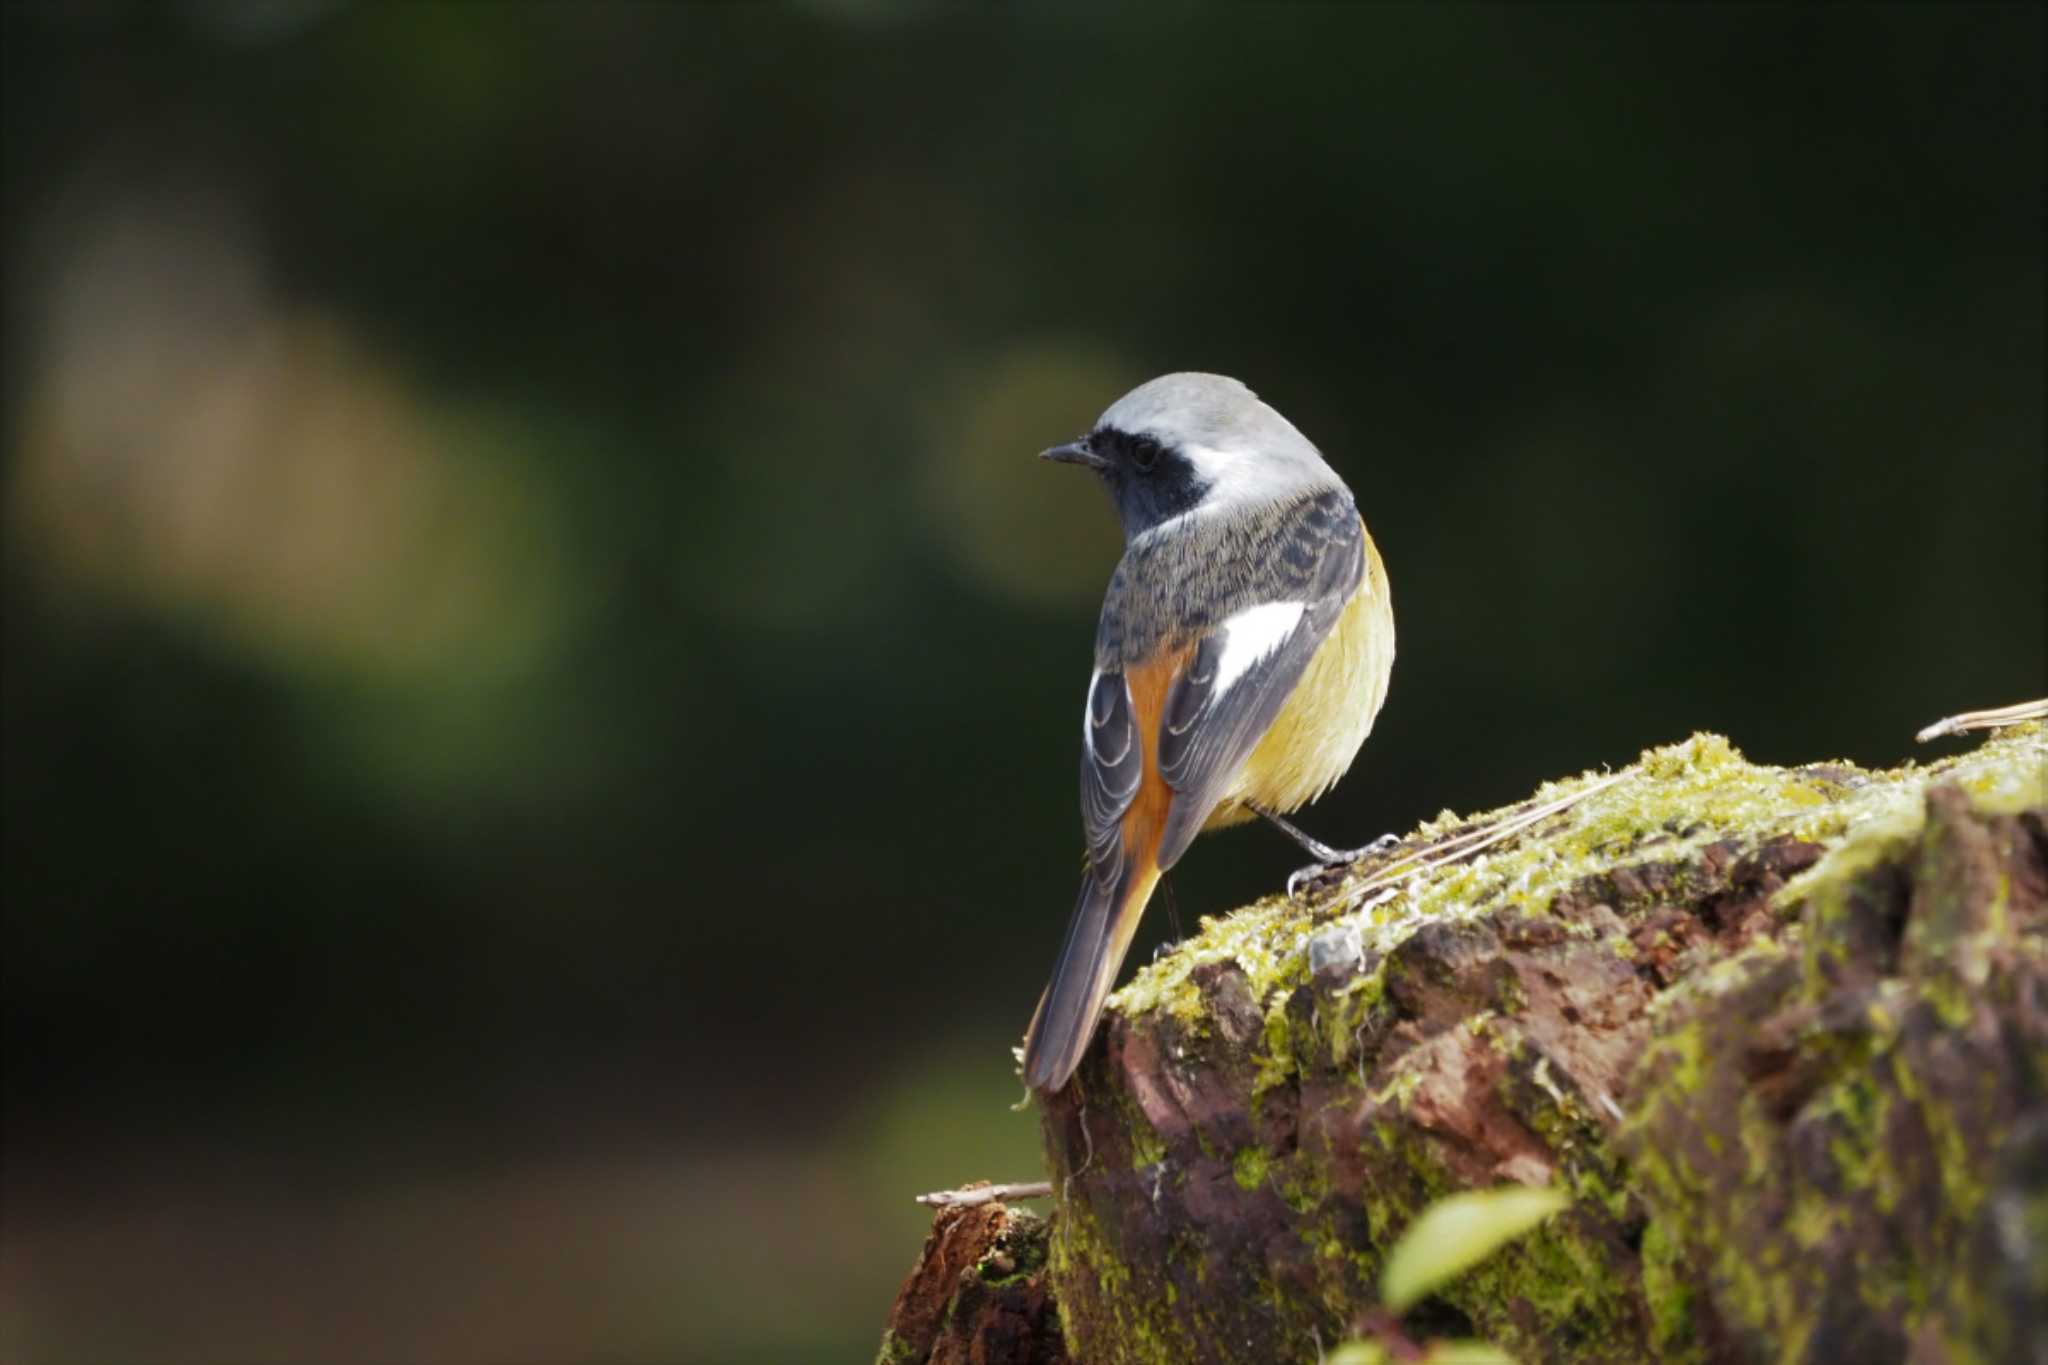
(1315, 847)
(1321, 851)
(1325, 857)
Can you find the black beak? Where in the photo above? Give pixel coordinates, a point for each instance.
(1074, 452)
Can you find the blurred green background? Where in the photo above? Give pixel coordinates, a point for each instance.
(541, 672)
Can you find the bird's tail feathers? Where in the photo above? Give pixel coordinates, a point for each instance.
(1105, 917)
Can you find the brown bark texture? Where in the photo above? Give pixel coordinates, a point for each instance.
(978, 1294)
(1781, 1034)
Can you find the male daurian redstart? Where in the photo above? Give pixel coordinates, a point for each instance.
(1243, 652)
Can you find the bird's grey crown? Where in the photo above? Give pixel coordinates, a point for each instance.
(1242, 448)
(1188, 405)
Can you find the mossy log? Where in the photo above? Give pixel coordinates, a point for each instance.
(1782, 1035)
(978, 1295)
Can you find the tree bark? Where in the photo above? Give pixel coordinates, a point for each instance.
(1782, 1034)
(978, 1295)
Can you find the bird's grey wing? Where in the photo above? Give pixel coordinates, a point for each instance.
(1112, 765)
(1244, 668)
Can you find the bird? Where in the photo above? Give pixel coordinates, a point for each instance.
(1244, 649)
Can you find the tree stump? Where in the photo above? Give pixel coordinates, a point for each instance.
(978, 1295)
(1782, 1035)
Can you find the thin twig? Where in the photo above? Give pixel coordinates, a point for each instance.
(1472, 841)
(981, 1192)
(1484, 836)
(1985, 720)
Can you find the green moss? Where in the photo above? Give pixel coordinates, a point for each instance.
(1305, 1184)
(1556, 1281)
(1277, 1059)
(1018, 1255)
(1962, 1183)
(1561, 1293)
(1668, 1295)
(1137, 1317)
(1347, 1012)
(1702, 786)
(1771, 1234)
(1680, 1056)
(1886, 811)
(1147, 1147)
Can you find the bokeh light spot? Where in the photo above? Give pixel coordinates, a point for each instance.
(1018, 526)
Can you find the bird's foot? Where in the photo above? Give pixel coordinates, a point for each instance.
(1338, 861)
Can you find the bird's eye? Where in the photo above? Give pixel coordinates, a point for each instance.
(1144, 453)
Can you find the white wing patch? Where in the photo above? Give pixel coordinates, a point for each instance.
(1251, 635)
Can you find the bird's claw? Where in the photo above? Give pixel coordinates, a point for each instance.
(1304, 877)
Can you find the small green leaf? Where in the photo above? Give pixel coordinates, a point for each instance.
(1357, 1353)
(1466, 1353)
(1455, 1234)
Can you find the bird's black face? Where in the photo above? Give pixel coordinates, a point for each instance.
(1148, 480)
